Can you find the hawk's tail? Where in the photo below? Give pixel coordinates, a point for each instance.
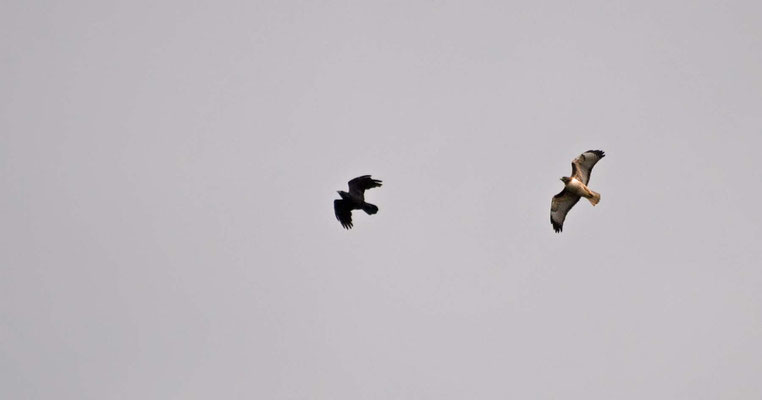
(595, 198)
(370, 209)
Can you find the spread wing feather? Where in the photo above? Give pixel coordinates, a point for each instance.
(343, 213)
(560, 206)
(582, 166)
(359, 185)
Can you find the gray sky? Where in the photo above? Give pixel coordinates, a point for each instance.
(167, 173)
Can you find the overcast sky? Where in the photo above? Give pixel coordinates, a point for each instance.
(167, 174)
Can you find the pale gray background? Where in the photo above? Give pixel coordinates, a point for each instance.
(167, 173)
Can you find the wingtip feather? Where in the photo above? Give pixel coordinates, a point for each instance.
(556, 226)
(599, 153)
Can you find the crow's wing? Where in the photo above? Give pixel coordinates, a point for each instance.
(343, 213)
(358, 185)
(582, 166)
(560, 206)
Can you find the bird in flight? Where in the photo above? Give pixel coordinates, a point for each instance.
(575, 186)
(355, 200)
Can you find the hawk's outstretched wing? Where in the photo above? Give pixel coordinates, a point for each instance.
(358, 185)
(582, 166)
(343, 213)
(560, 206)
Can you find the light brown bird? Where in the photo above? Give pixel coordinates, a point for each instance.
(575, 186)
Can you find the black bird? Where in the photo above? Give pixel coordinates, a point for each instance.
(355, 200)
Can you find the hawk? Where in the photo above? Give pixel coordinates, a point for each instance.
(575, 186)
(355, 200)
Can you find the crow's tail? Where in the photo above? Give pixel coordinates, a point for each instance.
(370, 209)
